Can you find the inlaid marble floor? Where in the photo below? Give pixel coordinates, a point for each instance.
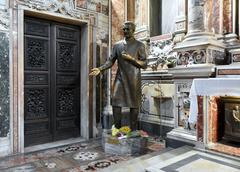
(196, 161)
(79, 157)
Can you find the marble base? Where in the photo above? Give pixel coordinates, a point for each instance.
(4, 146)
(182, 136)
(155, 129)
(113, 145)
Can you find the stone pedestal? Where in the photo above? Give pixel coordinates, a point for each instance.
(113, 145)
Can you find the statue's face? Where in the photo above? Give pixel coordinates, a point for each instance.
(128, 31)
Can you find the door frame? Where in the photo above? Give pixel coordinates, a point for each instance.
(87, 55)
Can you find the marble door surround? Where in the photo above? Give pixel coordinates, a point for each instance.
(88, 36)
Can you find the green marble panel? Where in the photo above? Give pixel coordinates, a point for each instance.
(4, 84)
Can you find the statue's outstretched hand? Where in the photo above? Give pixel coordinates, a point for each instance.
(95, 72)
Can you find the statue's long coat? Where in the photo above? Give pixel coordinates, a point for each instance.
(127, 84)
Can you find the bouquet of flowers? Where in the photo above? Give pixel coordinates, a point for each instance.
(126, 132)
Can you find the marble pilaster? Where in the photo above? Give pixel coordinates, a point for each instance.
(181, 21)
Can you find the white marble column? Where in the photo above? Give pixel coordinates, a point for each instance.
(195, 16)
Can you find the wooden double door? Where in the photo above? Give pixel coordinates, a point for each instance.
(51, 81)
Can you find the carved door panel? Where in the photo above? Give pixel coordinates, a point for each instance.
(51, 81)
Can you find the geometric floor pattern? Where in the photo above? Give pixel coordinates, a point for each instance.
(81, 157)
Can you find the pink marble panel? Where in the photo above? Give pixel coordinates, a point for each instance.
(81, 3)
(216, 15)
(200, 119)
(118, 16)
(213, 119)
(227, 16)
(226, 149)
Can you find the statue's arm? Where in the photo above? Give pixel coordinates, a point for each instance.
(138, 63)
(141, 62)
(108, 64)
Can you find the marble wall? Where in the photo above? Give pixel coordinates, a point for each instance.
(212, 16)
(118, 18)
(168, 17)
(141, 13)
(100, 6)
(4, 84)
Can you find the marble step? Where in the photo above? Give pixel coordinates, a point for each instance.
(196, 161)
(141, 163)
(135, 160)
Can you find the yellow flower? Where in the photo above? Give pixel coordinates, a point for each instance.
(115, 131)
(125, 130)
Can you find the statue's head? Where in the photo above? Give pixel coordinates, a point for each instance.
(129, 29)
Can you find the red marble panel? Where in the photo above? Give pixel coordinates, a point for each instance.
(226, 149)
(216, 15)
(81, 3)
(213, 119)
(200, 119)
(227, 16)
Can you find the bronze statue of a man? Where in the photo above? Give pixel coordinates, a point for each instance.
(131, 56)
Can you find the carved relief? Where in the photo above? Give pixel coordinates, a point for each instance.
(65, 7)
(81, 3)
(65, 58)
(65, 101)
(192, 57)
(94, 5)
(236, 114)
(36, 54)
(36, 103)
(161, 54)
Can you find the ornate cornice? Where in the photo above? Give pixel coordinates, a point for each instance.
(65, 7)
